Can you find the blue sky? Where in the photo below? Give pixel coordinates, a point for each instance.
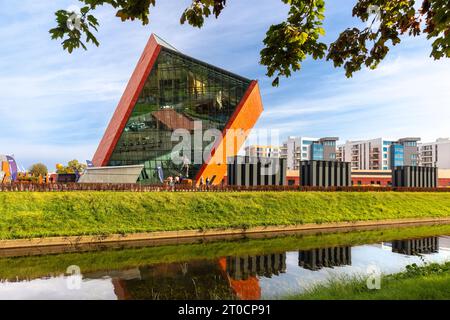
(54, 106)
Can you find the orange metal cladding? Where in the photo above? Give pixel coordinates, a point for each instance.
(243, 118)
(248, 289)
(5, 169)
(127, 103)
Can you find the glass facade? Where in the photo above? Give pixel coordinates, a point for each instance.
(317, 151)
(178, 92)
(397, 155)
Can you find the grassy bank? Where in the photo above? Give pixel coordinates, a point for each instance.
(24, 215)
(430, 282)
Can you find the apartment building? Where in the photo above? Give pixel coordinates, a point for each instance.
(262, 151)
(297, 149)
(379, 153)
(435, 154)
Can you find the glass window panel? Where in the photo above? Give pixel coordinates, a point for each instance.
(178, 92)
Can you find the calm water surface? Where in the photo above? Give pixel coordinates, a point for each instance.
(265, 275)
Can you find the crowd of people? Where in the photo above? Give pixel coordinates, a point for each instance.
(178, 179)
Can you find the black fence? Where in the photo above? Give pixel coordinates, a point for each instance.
(67, 187)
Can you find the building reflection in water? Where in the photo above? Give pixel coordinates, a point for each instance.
(416, 246)
(245, 276)
(234, 277)
(317, 259)
(228, 278)
(243, 267)
(242, 272)
(176, 281)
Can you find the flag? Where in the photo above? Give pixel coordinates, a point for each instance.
(160, 174)
(89, 163)
(12, 168)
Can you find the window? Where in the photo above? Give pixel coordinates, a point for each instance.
(317, 151)
(385, 149)
(397, 154)
(305, 148)
(333, 156)
(304, 155)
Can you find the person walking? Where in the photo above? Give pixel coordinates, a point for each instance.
(171, 183)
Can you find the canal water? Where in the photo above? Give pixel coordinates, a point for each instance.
(267, 268)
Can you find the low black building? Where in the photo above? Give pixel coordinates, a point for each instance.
(416, 246)
(256, 171)
(415, 177)
(243, 267)
(325, 173)
(317, 259)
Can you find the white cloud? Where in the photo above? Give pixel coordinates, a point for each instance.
(406, 95)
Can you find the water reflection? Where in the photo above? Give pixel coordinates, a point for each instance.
(193, 280)
(240, 268)
(416, 246)
(261, 276)
(317, 259)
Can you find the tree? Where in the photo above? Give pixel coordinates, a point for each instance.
(290, 42)
(38, 169)
(72, 167)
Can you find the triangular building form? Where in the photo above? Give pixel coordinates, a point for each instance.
(167, 91)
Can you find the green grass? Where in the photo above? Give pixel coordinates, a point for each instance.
(25, 215)
(430, 282)
(30, 267)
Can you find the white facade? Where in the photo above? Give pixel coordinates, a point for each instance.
(296, 149)
(435, 154)
(122, 174)
(366, 154)
(376, 154)
(262, 151)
